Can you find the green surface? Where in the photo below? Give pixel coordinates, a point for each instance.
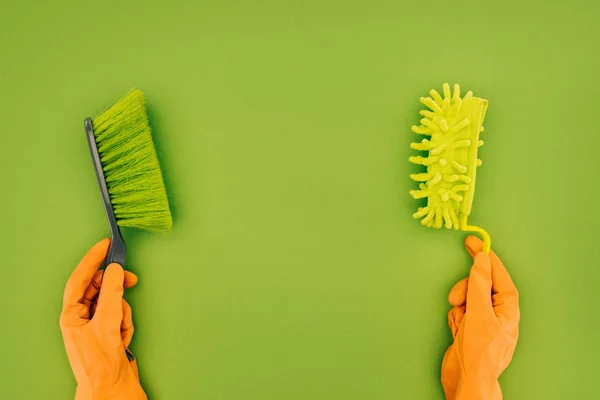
(295, 269)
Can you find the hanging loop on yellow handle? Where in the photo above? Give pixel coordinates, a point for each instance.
(487, 241)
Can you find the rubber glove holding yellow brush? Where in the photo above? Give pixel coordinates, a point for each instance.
(485, 326)
(485, 317)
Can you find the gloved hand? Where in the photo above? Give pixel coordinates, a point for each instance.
(485, 326)
(97, 334)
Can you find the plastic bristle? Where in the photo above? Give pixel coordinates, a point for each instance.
(459, 167)
(428, 102)
(437, 150)
(456, 94)
(460, 188)
(422, 160)
(455, 108)
(421, 212)
(438, 218)
(454, 218)
(460, 126)
(420, 194)
(424, 145)
(447, 218)
(461, 143)
(427, 114)
(421, 130)
(429, 124)
(446, 88)
(435, 179)
(420, 177)
(429, 218)
(130, 165)
(443, 193)
(455, 177)
(444, 123)
(455, 196)
(436, 97)
(446, 106)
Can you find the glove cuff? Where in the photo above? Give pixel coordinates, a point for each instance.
(489, 390)
(126, 391)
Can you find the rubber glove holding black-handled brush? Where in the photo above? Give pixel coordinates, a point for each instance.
(96, 321)
(97, 327)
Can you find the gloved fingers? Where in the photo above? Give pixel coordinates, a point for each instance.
(452, 323)
(508, 314)
(479, 291)
(455, 318)
(127, 324)
(460, 314)
(109, 311)
(458, 294)
(73, 304)
(130, 280)
(91, 293)
(501, 280)
(89, 298)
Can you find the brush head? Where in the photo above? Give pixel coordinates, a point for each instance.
(130, 165)
(452, 125)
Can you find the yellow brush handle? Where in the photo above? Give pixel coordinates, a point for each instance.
(487, 241)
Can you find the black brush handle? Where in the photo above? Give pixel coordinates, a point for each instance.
(117, 250)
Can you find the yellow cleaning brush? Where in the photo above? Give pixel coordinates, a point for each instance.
(452, 125)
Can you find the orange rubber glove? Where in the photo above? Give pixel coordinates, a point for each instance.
(485, 326)
(97, 333)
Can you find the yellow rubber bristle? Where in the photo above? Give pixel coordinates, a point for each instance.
(428, 114)
(437, 177)
(429, 218)
(438, 149)
(420, 177)
(444, 123)
(443, 193)
(421, 130)
(429, 102)
(446, 88)
(421, 212)
(436, 96)
(459, 167)
(454, 124)
(447, 218)
(454, 218)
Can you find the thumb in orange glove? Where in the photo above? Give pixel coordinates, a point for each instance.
(485, 325)
(97, 334)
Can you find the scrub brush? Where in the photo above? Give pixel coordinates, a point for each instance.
(452, 125)
(129, 176)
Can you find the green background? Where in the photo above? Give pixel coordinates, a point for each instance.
(295, 269)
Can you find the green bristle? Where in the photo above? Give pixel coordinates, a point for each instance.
(131, 170)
